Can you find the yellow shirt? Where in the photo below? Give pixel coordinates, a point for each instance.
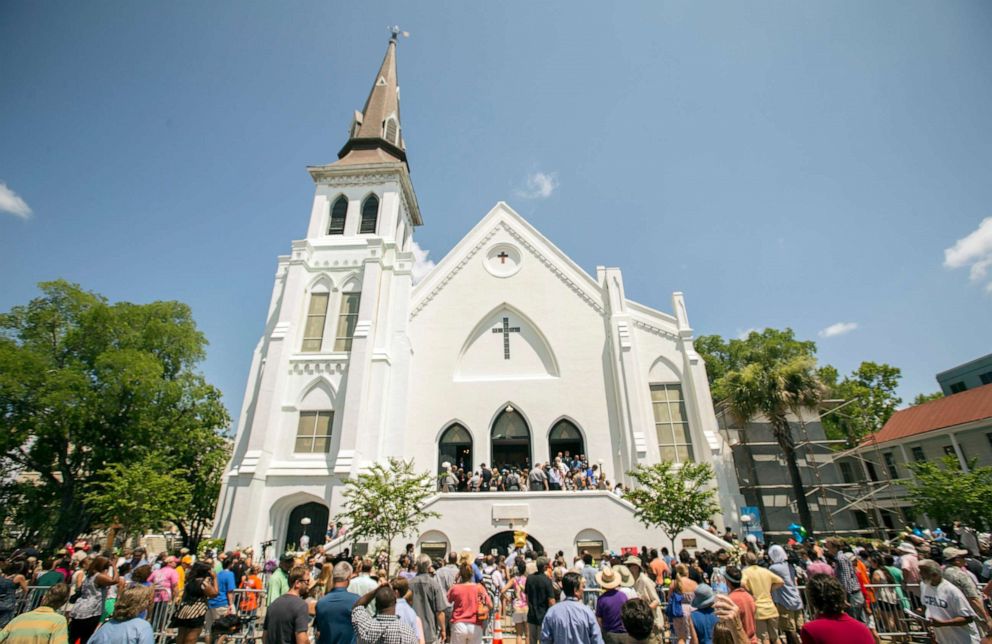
(182, 581)
(758, 581)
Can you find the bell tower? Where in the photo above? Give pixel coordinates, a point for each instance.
(327, 390)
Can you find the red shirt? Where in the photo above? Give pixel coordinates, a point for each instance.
(464, 600)
(830, 629)
(745, 602)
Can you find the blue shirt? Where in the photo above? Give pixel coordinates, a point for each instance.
(570, 622)
(225, 585)
(132, 631)
(406, 614)
(333, 617)
(704, 619)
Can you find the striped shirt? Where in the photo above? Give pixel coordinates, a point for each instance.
(40, 626)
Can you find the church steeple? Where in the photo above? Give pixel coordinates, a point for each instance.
(376, 135)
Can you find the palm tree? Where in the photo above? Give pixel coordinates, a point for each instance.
(773, 387)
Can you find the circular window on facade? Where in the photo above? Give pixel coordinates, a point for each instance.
(503, 260)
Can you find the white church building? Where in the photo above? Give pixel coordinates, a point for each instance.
(506, 352)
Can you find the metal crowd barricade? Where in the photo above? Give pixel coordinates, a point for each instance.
(889, 620)
(250, 606)
(160, 617)
(29, 599)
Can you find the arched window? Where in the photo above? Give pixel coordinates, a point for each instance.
(339, 212)
(455, 448)
(370, 215)
(565, 438)
(510, 440)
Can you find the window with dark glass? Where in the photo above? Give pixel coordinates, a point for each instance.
(671, 423)
(985, 378)
(949, 450)
(890, 464)
(918, 454)
(313, 330)
(339, 213)
(958, 387)
(370, 215)
(313, 434)
(347, 321)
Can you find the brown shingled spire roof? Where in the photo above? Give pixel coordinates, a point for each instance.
(376, 135)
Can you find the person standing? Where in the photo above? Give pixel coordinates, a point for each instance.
(287, 618)
(362, 582)
(465, 598)
(610, 606)
(644, 586)
(223, 602)
(88, 609)
(385, 627)
(947, 609)
(704, 617)
(570, 621)
(191, 612)
(126, 624)
(844, 571)
(279, 580)
(332, 620)
(743, 600)
(831, 624)
(401, 588)
(540, 597)
(429, 601)
(166, 581)
(760, 582)
(956, 573)
(42, 625)
(786, 597)
(538, 479)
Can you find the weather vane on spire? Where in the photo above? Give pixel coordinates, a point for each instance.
(395, 31)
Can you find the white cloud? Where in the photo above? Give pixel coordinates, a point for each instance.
(539, 185)
(421, 265)
(11, 202)
(975, 249)
(839, 328)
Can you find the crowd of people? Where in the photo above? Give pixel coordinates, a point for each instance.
(815, 593)
(564, 472)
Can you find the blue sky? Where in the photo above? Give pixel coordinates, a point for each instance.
(782, 163)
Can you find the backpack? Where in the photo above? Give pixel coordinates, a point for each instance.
(488, 583)
(673, 608)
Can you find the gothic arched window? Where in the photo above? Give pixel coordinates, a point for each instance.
(566, 438)
(455, 448)
(370, 215)
(339, 212)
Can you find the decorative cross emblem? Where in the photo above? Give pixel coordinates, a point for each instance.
(502, 257)
(506, 330)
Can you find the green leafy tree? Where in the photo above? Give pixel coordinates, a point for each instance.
(925, 398)
(386, 502)
(768, 375)
(136, 498)
(871, 394)
(86, 384)
(671, 497)
(946, 493)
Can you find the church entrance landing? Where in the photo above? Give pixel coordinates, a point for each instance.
(502, 543)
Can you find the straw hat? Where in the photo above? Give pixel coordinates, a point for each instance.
(626, 577)
(608, 578)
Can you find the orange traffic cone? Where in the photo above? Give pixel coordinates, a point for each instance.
(498, 629)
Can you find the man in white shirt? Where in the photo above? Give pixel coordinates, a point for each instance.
(947, 610)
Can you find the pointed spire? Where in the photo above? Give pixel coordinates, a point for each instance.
(376, 134)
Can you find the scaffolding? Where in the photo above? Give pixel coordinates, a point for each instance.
(861, 495)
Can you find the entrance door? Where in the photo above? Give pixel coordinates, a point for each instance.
(502, 543)
(567, 439)
(455, 448)
(315, 529)
(510, 440)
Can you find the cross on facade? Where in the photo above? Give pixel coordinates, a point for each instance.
(502, 257)
(506, 330)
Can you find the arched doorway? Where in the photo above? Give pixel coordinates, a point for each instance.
(566, 438)
(315, 528)
(510, 440)
(502, 543)
(455, 448)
